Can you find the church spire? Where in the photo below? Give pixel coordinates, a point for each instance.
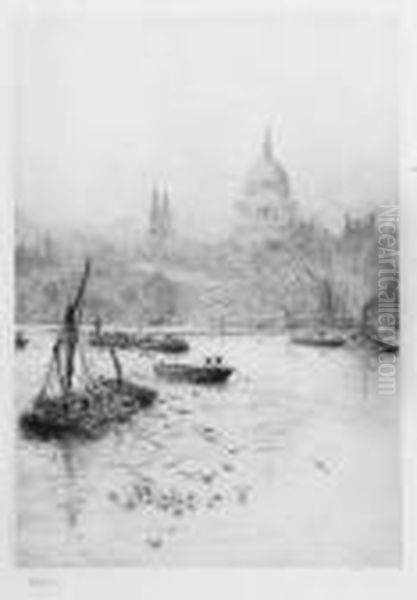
(155, 210)
(160, 221)
(166, 212)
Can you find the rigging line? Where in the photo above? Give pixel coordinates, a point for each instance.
(50, 369)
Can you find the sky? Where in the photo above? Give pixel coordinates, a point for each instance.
(106, 108)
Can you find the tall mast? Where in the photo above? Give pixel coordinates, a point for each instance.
(70, 331)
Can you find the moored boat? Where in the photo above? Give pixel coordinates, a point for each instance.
(166, 343)
(319, 338)
(114, 339)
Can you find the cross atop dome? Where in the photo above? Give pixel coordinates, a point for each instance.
(267, 172)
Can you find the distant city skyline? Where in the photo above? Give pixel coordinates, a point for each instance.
(106, 110)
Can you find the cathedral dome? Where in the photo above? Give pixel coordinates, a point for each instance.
(266, 211)
(267, 174)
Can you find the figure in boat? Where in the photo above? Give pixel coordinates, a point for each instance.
(62, 409)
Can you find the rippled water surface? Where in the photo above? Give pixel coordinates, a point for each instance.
(293, 462)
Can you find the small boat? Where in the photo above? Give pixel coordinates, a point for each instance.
(213, 371)
(20, 341)
(62, 410)
(319, 338)
(166, 343)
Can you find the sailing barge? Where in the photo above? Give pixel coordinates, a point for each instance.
(61, 410)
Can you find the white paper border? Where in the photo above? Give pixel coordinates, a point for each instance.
(210, 583)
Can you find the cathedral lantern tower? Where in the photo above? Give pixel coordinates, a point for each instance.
(266, 211)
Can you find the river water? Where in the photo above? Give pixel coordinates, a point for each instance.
(294, 462)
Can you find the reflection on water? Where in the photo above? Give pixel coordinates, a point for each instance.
(294, 461)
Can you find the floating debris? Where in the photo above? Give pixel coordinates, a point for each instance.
(215, 500)
(154, 542)
(191, 501)
(242, 492)
(228, 467)
(322, 466)
(208, 433)
(182, 411)
(130, 504)
(113, 497)
(208, 477)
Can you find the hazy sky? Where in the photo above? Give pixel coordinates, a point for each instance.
(109, 107)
